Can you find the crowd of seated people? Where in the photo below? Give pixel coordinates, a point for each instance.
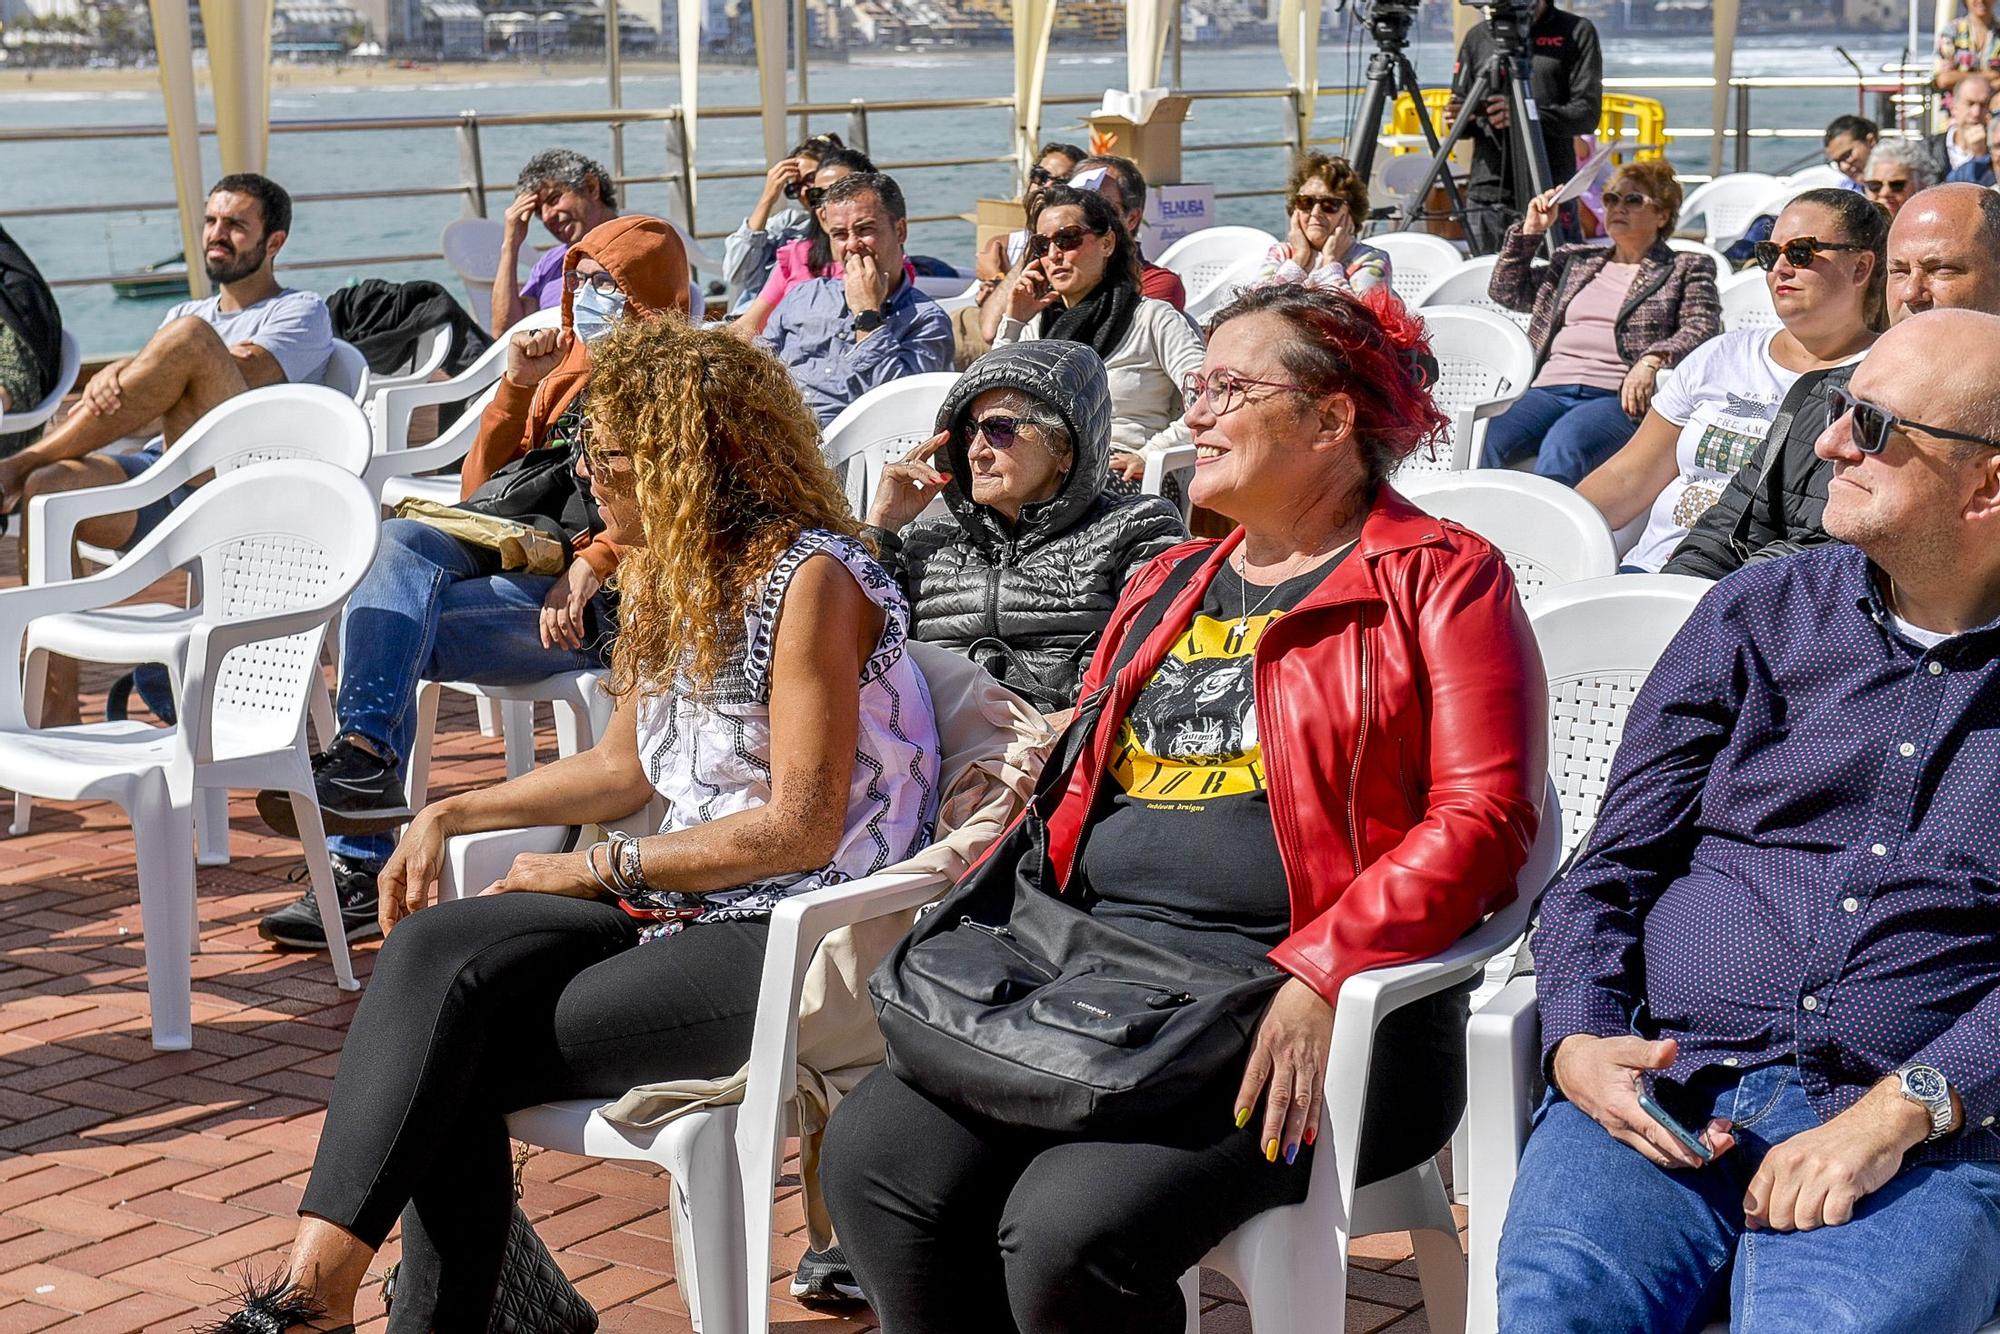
(1825, 266)
(1606, 321)
(780, 216)
(1833, 1057)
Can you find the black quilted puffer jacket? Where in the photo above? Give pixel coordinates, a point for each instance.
(1028, 601)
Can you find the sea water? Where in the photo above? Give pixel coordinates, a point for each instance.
(78, 175)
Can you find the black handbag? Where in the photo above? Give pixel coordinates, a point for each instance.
(1009, 999)
(542, 490)
(533, 1296)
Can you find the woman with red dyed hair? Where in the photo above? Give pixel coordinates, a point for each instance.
(1325, 755)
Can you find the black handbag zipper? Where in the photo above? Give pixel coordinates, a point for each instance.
(1012, 942)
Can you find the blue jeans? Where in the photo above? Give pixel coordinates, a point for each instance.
(431, 609)
(1599, 1239)
(1569, 429)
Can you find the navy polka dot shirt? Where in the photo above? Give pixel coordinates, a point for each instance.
(1798, 855)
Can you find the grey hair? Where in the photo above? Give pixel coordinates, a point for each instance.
(1028, 409)
(569, 169)
(1907, 153)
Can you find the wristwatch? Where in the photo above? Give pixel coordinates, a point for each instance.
(868, 321)
(1927, 1087)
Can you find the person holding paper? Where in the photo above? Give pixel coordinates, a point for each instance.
(1606, 321)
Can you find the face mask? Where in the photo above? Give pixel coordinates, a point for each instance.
(592, 313)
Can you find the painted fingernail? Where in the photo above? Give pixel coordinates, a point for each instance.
(1271, 1151)
(1292, 1154)
(1312, 1133)
(1242, 1117)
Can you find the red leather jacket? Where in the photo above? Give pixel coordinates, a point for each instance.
(1403, 715)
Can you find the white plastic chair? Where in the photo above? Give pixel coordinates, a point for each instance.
(1485, 363)
(1290, 1263)
(278, 547)
(1599, 642)
(1687, 245)
(1727, 205)
(1173, 461)
(347, 371)
(287, 422)
(1417, 261)
(28, 418)
(426, 358)
(880, 427)
(1549, 534)
(1746, 301)
(1215, 261)
(1467, 285)
(723, 1159)
(1816, 178)
(471, 247)
(1400, 175)
(576, 699)
(959, 299)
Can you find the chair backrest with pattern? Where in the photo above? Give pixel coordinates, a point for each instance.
(274, 424)
(1482, 358)
(1599, 641)
(1204, 260)
(1549, 534)
(1746, 302)
(1728, 204)
(1417, 261)
(1467, 285)
(880, 427)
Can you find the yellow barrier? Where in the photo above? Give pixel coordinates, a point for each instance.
(1640, 121)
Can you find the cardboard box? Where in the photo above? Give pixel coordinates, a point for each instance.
(1173, 211)
(996, 217)
(1154, 144)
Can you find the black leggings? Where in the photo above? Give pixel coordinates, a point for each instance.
(957, 1223)
(487, 1005)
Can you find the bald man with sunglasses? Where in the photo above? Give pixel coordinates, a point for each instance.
(1769, 986)
(1944, 254)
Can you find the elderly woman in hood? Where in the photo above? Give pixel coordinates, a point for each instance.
(434, 608)
(1023, 571)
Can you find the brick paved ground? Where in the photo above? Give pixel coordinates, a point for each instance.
(135, 1184)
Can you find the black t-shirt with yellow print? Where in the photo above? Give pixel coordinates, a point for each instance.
(1182, 851)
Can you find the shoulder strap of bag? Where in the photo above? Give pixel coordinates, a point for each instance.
(1775, 441)
(1083, 723)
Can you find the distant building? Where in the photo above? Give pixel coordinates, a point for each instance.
(453, 29)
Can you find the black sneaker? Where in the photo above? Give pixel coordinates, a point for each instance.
(823, 1279)
(359, 793)
(296, 926)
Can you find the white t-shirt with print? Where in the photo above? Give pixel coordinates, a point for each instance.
(1723, 396)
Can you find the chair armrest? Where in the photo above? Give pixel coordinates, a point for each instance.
(1501, 1043)
(1493, 407)
(474, 861)
(394, 406)
(1160, 463)
(442, 452)
(21, 606)
(53, 518)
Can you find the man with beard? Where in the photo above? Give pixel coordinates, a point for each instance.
(251, 333)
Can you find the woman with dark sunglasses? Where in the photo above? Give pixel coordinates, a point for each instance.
(1825, 265)
(1022, 570)
(1082, 283)
(1896, 171)
(777, 217)
(1607, 320)
(1321, 752)
(1328, 204)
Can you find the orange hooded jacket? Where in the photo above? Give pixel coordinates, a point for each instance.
(645, 256)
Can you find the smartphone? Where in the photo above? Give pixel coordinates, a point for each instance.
(1690, 1142)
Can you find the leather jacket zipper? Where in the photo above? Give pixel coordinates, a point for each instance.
(1354, 771)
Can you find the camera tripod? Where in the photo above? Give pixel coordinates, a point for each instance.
(1505, 73)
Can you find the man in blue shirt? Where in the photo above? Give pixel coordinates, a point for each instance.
(1978, 166)
(843, 336)
(1783, 927)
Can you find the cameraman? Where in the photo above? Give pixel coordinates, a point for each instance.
(1568, 86)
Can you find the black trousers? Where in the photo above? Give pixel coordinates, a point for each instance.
(956, 1224)
(483, 1006)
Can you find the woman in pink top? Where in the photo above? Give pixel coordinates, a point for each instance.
(1606, 321)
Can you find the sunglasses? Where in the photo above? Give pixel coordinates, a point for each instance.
(1326, 204)
(1798, 252)
(1872, 425)
(1043, 176)
(1226, 390)
(1631, 198)
(1000, 430)
(1064, 239)
(814, 195)
(1894, 187)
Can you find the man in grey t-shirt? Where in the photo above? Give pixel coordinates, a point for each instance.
(251, 333)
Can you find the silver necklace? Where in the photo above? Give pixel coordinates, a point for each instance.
(1242, 583)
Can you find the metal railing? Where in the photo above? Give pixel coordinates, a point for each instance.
(1909, 88)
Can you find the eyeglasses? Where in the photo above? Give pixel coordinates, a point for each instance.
(1039, 175)
(1064, 239)
(603, 464)
(1840, 161)
(1872, 425)
(1631, 199)
(600, 282)
(1226, 390)
(1798, 252)
(1326, 204)
(1894, 187)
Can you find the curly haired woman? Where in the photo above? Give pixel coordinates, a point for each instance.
(790, 750)
(1327, 205)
